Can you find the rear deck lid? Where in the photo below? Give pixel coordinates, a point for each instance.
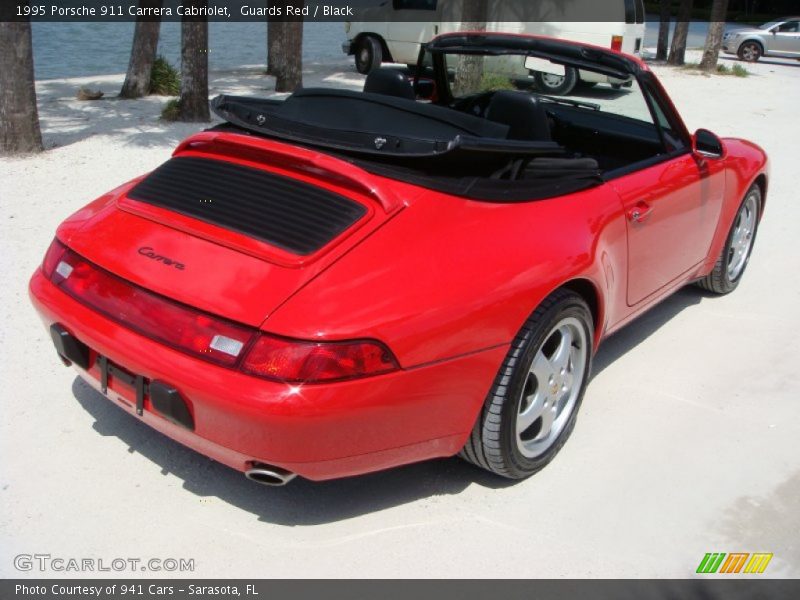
(236, 236)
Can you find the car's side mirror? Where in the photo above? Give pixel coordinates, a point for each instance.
(425, 89)
(707, 144)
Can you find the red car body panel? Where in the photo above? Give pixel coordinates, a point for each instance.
(444, 281)
(317, 431)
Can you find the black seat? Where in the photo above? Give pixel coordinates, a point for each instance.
(522, 112)
(389, 82)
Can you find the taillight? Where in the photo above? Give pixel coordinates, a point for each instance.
(197, 333)
(211, 338)
(301, 361)
(52, 257)
(616, 43)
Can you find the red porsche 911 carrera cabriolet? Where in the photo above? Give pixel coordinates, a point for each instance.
(341, 282)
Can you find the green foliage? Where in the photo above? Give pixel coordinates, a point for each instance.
(722, 69)
(164, 78)
(171, 110)
(739, 71)
(495, 81)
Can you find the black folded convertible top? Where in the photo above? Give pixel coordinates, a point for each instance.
(424, 144)
(373, 124)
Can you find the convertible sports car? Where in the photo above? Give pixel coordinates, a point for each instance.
(341, 282)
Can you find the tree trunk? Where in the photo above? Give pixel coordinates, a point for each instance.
(469, 69)
(663, 30)
(716, 28)
(19, 117)
(273, 41)
(194, 67)
(285, 59)
(677, 52)
(143, 53)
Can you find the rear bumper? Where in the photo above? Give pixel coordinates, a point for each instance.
(318, 431)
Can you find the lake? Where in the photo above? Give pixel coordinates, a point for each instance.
(79, 49)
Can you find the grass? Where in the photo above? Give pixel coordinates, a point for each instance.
(164, 78)
(493, 81)
(171, 110)
(735, 70)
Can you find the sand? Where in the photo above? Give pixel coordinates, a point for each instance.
(686, 444)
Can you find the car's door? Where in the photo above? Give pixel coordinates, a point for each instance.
(671, 204)
(786, 38)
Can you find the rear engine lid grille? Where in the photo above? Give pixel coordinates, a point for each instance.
(290, 214)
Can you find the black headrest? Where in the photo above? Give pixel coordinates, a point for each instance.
(389, 82)
(522, 112)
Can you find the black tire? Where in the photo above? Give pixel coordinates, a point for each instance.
(750, 51)
(369, 54)
(721, 280)
(494, 443)
(554, 84)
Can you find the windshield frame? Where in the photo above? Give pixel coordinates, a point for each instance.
(644, 79)
(770, 24)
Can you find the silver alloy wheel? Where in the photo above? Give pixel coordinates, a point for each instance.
(552, 387)
(363, 55)
(552, 81)
(751, 52)
(742, 236)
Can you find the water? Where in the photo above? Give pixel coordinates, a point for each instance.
(81, 49)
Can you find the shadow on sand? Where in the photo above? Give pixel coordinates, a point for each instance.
(303, 502)
(642, 328)
(778, 62)
(66, 120)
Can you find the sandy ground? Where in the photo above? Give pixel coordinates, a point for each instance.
(687, 442)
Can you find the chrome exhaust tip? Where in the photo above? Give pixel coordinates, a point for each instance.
(268, 475)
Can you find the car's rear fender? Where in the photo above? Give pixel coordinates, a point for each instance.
(450, 276)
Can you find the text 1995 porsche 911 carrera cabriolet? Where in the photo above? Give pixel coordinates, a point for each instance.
(341, 282)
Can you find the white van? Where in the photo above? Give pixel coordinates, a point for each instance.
(396, 29)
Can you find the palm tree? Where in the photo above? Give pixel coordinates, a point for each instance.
(663, 29)
(19, 118)
(273, 42)
(193, 103)
(285, 52)
(677, 51)
(143, 54)
(716, 28)
(469, 69)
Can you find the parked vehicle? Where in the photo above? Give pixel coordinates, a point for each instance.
(342, 282)
(395, 31)
(779, 38)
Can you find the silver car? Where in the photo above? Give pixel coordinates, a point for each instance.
(779, 38)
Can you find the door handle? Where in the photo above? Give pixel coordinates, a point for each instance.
(640, 212)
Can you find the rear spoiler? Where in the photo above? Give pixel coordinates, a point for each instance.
(311, 163)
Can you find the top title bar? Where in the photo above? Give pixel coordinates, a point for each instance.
(630, 11)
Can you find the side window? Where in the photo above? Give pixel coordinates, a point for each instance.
(414, 4)
(788, 27)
